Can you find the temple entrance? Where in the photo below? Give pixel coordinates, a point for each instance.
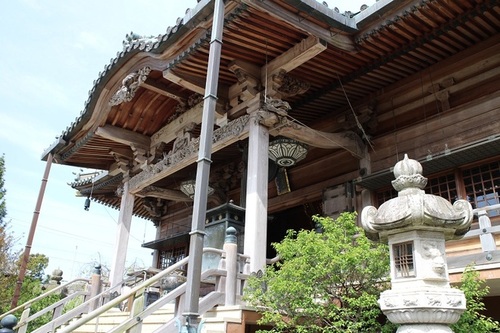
(296, 218)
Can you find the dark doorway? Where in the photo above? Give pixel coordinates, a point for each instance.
(296, 218)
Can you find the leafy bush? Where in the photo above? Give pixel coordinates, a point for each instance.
(325, 282)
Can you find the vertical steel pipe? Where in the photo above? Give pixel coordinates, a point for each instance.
(203, 167)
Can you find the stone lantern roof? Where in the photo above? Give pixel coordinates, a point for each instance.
(413, 209)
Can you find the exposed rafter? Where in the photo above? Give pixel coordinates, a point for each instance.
(338, 40)
(164, 90)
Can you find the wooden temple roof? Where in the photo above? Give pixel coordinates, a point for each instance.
(361, 54)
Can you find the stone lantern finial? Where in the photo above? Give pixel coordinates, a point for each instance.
(416, 226)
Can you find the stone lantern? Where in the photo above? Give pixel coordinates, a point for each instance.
(416, 226)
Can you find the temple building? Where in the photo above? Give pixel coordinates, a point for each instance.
(306, 110)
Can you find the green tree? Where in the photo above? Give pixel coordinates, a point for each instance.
(472, 320)
(8, 256)
(324, 282)
(3, 191)
(33, 286)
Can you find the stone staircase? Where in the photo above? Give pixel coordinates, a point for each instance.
(214, 321)
(113, 317)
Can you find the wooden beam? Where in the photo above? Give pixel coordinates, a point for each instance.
(163, 193)
(169, 132)
(126, 153)
(306, 194)
(123, 136)
(344, 140)
(150, 176)
(302, 52)
(192, 83)
(197, 85)
(278, 124)
(459, 87)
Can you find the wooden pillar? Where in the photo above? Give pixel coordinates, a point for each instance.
(256, 195)
(122, 236)
(156, 252)
(365, 167)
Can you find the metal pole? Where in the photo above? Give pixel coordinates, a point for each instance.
(31, 235)
(203, 168)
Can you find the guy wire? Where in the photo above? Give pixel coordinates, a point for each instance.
(354, 114)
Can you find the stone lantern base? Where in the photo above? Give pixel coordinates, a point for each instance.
(428, 328)
(423, 310)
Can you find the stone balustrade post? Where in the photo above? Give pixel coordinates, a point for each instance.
(95, 286)
(231, 250)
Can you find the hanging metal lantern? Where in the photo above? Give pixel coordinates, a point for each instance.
(188, 187)
(287, 152)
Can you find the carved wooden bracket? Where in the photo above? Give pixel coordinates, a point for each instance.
(442, 93)
(156, 207)
(286, 85)
(130, 84)
(234, 131)
(248, 85)
(123, 164)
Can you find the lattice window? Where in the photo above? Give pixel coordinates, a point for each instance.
(403, 260)
(383, 196)
(443, 186)
(171, 256)
(482, 185)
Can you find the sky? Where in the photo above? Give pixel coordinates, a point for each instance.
(51, 52)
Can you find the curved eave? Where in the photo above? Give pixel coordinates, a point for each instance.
(144, 49)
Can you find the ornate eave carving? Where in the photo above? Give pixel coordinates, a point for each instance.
(130, 84)
(287, 85)
(172, 159)
(156, 207)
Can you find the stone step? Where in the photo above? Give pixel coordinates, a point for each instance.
(112, 318)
